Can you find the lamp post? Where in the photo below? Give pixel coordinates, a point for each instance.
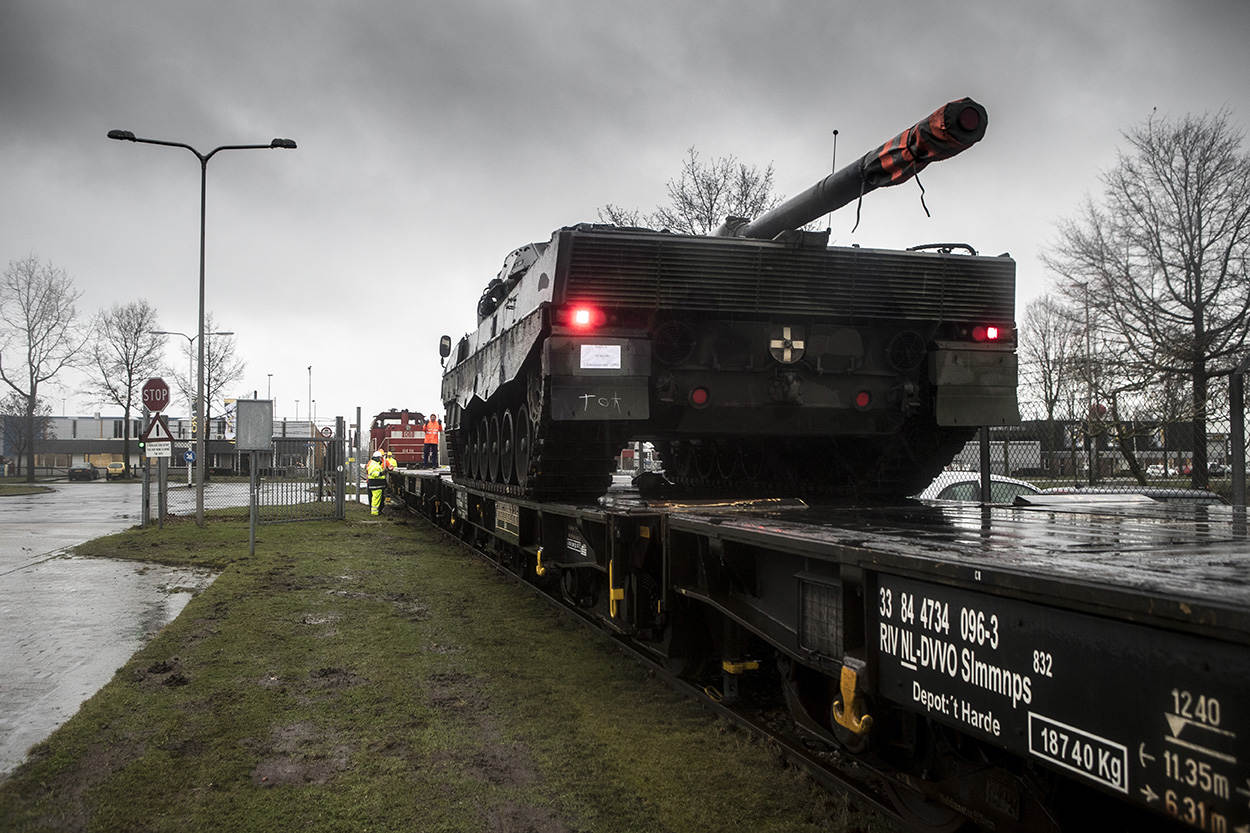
(269, 388)
(190, 354)
(311, 429)
(127, 136)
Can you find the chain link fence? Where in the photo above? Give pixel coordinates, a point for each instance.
(298, 479)
(1125, 446)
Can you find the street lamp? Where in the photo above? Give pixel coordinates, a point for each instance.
(269, 388)
(190, 354)
(127, 136)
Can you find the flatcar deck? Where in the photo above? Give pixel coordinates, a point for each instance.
(1186, 564)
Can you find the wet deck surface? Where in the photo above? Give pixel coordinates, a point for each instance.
(69, 623)
(1186, 563)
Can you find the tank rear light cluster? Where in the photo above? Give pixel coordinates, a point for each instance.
(582, 317)
(986, 334)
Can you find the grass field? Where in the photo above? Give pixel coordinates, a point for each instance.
(369, 675)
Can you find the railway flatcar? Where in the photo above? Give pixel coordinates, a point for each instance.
(1050, 667)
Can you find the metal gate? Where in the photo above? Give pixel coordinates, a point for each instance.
(301, 478)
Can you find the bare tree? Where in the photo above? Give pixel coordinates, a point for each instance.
(14, 426)
(1165, 255)
(38, 323)
(703, 195)
(1049, 346)
(125, 354)
(222, 368)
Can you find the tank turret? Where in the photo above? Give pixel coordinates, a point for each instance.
(947, 131)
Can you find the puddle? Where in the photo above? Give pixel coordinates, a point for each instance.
(69, 623)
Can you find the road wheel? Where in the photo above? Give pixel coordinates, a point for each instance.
(523, 442)
(507, 446)
(492, 447)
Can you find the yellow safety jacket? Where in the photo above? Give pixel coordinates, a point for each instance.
(375, 470)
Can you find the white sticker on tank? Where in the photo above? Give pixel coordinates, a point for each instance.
(601, 357)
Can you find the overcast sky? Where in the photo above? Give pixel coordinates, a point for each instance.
(435, 137)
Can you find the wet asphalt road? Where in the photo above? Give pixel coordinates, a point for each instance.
(66, 623)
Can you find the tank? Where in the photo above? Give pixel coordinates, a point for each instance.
(758, 360)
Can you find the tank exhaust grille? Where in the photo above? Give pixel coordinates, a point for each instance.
(761, 277)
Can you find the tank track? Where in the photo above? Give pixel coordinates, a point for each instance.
(566, 462)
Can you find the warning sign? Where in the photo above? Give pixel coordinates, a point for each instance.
(158, 431)
(157, 441)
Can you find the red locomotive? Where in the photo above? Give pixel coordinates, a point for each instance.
(402, 433)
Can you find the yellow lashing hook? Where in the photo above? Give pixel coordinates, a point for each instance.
(847, 709)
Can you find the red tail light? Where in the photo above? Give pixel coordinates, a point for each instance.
(987, 332)
(583, 317)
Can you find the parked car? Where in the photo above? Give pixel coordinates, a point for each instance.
(1162, 494)
(966, 485)
(83, 471)
(1155, 470)
(115, 471)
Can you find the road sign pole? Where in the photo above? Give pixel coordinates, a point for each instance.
(252, 461)
(162, 499)
(146, 501)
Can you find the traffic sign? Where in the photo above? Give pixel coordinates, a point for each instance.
(327, 431)
(157, 432)
(157, 441)
(155, 394)
(189, 455)
(159, 448)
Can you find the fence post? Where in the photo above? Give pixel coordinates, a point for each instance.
(360, 433)
(340, 456)
(1237, 429)
(984, 442)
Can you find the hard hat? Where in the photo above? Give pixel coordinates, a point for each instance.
(377, 455)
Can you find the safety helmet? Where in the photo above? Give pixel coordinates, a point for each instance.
(377, 455)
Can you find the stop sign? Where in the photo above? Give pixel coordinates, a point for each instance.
(155, 394)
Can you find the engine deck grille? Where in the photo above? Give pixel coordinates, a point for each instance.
(728, 275)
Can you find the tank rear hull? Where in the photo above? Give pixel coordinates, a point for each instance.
(753, 365)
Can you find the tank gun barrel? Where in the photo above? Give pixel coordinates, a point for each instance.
(949, 130)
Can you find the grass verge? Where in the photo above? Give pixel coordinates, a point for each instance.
(15, 489)
(371, 676)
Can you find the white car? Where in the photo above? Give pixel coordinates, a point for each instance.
(966, 485)
(1155, 470)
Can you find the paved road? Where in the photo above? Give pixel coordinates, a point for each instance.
(67, 624)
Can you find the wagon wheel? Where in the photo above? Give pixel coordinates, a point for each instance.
(507, 446)
(492, 447)
(523, 444)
